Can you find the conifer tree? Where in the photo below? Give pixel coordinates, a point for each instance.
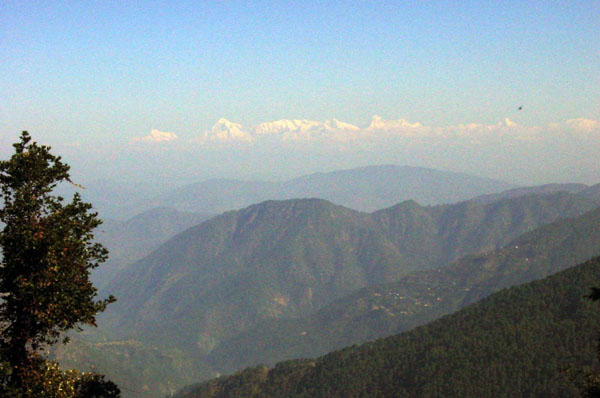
(590, 388)
(47, 254)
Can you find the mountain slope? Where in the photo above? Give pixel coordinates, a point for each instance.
(138, 369)
(592, 192)
(417, 298)
(286, 259)
(247, 269)
(515, 343)
(130, 240)
(270, 260)
(537, 189)
(436, 236)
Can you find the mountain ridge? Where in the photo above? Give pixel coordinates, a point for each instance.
(282, 259)
(420, 297)
(366, 188)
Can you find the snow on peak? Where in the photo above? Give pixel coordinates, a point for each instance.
(303, 129)
(225, 131)
(509, 123)
(224, 124)
(156, 136)
(378, 123)
(297, 128)
(335, 124)
(284, 126)
(583, 125)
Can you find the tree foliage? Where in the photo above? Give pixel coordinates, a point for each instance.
(588, 380)
(47, 254)
(56, 383)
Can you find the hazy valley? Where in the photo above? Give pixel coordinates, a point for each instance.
(301, 277)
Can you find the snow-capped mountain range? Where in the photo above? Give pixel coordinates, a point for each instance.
(304, 129)
(301, 126)
(377, 123)
(300, 129)
(333, 130)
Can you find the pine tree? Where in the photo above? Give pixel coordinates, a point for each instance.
(47, 254)
(590, 387)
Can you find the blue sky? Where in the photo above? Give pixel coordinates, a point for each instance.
(106, 71)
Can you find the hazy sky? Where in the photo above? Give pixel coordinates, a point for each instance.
(89, 77)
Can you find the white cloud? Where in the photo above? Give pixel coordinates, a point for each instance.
(156, 136)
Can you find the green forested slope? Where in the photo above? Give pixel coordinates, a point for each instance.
(515, 343)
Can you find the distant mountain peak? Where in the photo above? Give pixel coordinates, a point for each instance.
(338, 125)
(583, 125)
(378, 123)
(223, 123)
(301, 126)
(285, 126)
(225, 130)
(509, 123)
(302, 129)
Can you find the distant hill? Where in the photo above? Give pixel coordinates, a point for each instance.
(417, 298)
(365, 189)
(284, 259)
(537, 189)
(109, 198)
(130, 240)
(592, 192)
(515, 343)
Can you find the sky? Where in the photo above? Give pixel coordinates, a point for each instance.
(135, 90)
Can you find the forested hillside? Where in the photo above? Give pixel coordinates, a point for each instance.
(515, 343)
(417, 298)
(432, 236)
